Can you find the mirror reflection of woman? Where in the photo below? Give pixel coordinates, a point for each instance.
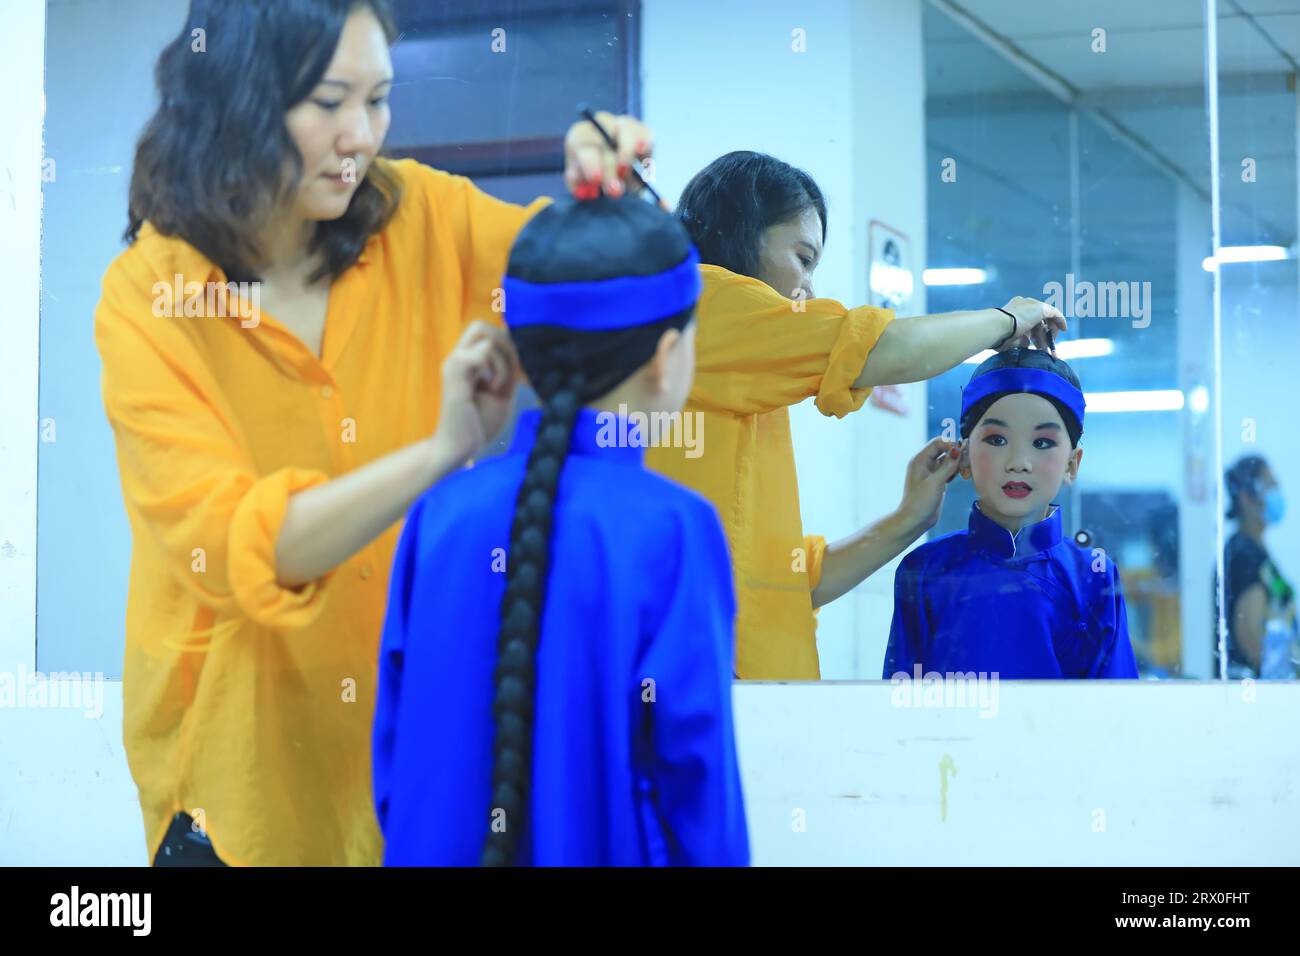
(268, 451)
(1261, 603)
(766, 342)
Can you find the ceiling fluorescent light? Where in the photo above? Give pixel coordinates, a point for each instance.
(1066, 350)
(1245, 254)
(1154, 400)
(954, 276)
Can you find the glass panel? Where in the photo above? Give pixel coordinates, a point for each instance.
(1082, 161)
(1260, 302)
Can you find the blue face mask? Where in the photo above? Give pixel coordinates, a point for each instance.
(1274, 506)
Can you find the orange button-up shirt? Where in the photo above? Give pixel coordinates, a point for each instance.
(247, 704)
(756, 354)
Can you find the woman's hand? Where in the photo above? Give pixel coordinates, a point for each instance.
(326, 524)
(849, 562)
(1034, 321)
(928, 474)
(590, 165)
(478, 386)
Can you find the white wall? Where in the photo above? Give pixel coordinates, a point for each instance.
(21, 64)
(850, 111)
(1112, 773)
(66, 795)
(1075, 773)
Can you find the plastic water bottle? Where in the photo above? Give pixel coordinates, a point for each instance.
(1275, 656)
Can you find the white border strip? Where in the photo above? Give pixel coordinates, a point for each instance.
(22, 74)
(1212, 108)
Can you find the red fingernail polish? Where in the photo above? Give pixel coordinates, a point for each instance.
(623, 170)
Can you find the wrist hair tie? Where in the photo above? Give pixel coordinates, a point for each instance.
(1010, 335)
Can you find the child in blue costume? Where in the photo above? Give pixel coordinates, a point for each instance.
(556, 662)
(1011, 595)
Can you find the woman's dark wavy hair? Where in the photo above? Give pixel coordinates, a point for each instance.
(730, 202)
(1025, 358)
(210, 166)
(566, 242)
(1243, 479)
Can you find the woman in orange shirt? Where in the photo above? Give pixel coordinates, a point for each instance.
(301, 338)
(764, 342)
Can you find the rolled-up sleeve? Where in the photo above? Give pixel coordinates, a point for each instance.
(254, 531)
(187, 477)
(756, 350)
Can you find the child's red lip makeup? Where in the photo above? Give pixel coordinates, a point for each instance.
(1016, 489)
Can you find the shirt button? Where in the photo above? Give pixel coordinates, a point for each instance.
(326, 391)
(366, 572)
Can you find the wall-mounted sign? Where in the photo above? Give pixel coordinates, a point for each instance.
(890, 266)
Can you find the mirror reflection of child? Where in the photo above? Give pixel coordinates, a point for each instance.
(555, 669)
(1012, 595)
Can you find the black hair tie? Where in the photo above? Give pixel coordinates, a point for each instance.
(1010, 335)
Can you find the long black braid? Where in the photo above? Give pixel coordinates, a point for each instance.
(567, 242)
(529, 562)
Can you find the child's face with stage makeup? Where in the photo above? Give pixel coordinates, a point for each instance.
(1019, 456)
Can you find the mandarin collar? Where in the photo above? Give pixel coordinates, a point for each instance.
(596, 433)
(990, 536)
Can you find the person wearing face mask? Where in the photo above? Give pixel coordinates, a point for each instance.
(1261, 603)
(766, 342)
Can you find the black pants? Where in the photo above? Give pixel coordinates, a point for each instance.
(185, 846)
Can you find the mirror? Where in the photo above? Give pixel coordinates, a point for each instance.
(1087, 184)
(1260, 336)
(985, 150)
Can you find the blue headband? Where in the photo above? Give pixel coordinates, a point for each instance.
(1012, 380)
(606, 304)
